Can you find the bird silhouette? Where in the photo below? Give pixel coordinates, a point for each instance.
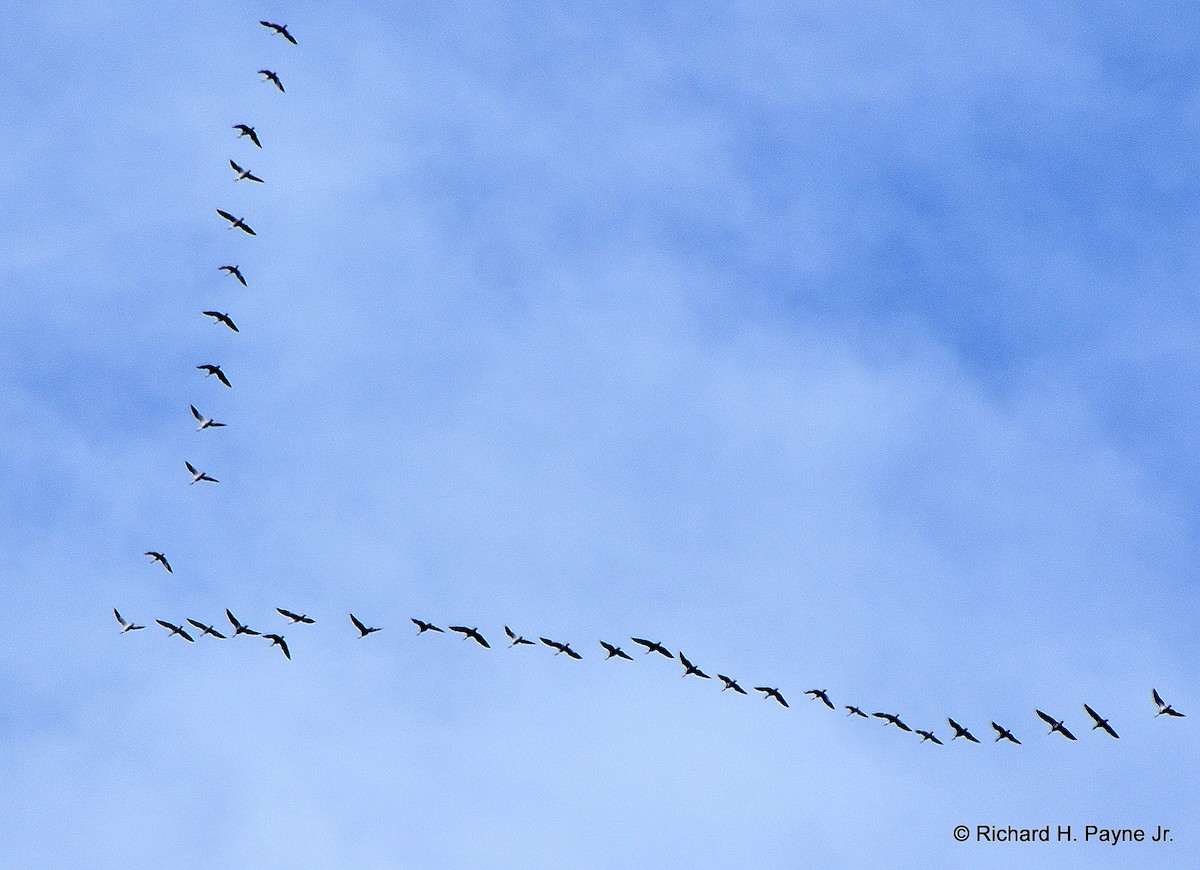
(219, 317)
(1055, 725)
(561, 647)
(1100, 723)
(517, 639)
(472, 633)
(235, 272)
(854, 711)
(928, 735)
(244, 173)
(206, 629)
(237, 222)
(768, 692)
(278, 641)
(363, 630)
(270, 76)
(209, 369)
(423, 627)
(691, 669)
(198, 476)
(960, 731)
(126, 626)
(891, 719)
(281, 29)
(652, 646)
(245, 130)
(160, 559)
(175, 630)
(1163, 707)
(615, 651)
(239, 628)
(1003, 733)
(820, 693)
(730, 683)
(295, 617)
(205, 422)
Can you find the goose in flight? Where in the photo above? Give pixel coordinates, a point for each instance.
(854, 711)
(423, 627)
(517, 639)
(820, 693)
(281, 29)
(219, 317)
(175, 630)
(206, 629)
(205, 422)
(198, 476)
(235, 272)
(730, 683)
(960, 731)
(472, 633)
(270, 76)
(210, 370)
(689, 668)
(615, 651)
(1163, 706)
(363, 630)
(246, 130)
(296, 617)
(236, 222)
(1003, 733)
(126, 626)
(768, 692)
(160, 559)
(892, 719)
(239, 628)
(1055, 725)
(652, 646)
(928, 735)
(278, 641)
(1100, 723)
(561, 647)
(244, 173)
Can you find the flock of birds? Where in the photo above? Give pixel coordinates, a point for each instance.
(612, 651)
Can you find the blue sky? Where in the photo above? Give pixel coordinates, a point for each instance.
(849, 346)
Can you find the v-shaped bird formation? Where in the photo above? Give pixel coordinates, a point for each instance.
(612, 651)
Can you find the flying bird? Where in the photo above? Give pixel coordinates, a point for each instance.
(516, 638)
(281, 29)
(206, 629)
(244, 130)
(768, 692)
(730, 683)
(560, 647)
(205, 422)
(960, 731)
(126, 626)
(198, 476)
(928, 735)
(689, 668)
(235, 272)
(218, 317)
(236, 222)
(278, 641)
(423, 627)
(820, 693)
(1100, 723)
(244, 173)
(269, 76)
(161, 559)
(1003, 733)
(891, 719)
(239, 628)
(652, 646)
(854, 711)
(295, 617)
(175, 630)
(615, 651)
(210, 369)
(472, 633)
(1055, 725)
(363, 630)
(1163, 706)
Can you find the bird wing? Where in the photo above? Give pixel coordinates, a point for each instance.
(227, 216)
(362, 628)
(232, 619)
(649, 645)
(196, 413)
(509, 632)
(288, 613)
(221, 377)
(236, 168)
(283, 646)
(1049, 720)
(199, 625)
(1093, 714)
(548, 642)
(1157, 698)
(250, 176)
(1067, 734)
(572, 653)
(1110, 730)
(217, 314)
(191, 468)
(117, 613)
(482, 641)
(685, 661)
